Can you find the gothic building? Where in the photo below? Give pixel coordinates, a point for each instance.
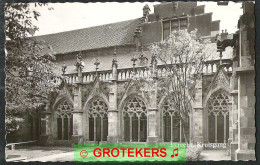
(99, 102)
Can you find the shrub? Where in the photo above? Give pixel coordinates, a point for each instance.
(193, 152)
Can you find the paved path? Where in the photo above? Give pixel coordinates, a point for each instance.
(215, 155)
(68, 156)
(206, 155)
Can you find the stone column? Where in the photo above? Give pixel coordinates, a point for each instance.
(152, 113)
(113, 126)
(234, 111)
(246, 115)
(246, 100)
(45, 125)
(197, 114)
(77, 136)
(234, 136)
(152, 118)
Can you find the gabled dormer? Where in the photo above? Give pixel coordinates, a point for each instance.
(170, 16)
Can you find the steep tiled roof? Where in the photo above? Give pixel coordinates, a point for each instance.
(108, 35)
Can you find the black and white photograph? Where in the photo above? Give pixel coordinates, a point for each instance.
(89, 75)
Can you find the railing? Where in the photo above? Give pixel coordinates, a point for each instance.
(211, 66)
(127, 73)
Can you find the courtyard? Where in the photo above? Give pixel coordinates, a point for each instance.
(62, 154)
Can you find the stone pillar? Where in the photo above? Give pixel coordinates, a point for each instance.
(152, 113)
(45, 125)
(234, 136)
(246, 89)
(234, 111)
(152, 118)
(197, 114)
(77, 136)
(246, 114)
(113, 126)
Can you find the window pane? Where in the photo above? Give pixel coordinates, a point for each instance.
(166, 33)
(183, 24)
(71, 127)
(175, 25)
(220, 129)
(127, 128)
(135, 129)
(166, 29)
(105, 128)
(166, 25)
(91, 129)
(211, 128)
(176, 129)
(98, 128)
(167, 128)
(59, 126)
(65, 129)
(143, 132)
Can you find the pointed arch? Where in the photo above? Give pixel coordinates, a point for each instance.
(63, 113)
(64, 94)
(134, 115)
(96, 92)
(226, 90)
(219, 81)
(96, 112)
(217, 116)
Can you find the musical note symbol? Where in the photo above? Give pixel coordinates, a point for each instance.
(176, 149)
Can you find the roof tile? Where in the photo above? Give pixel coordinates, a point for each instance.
(108, 35)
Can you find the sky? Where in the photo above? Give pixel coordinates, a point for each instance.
(71, 16)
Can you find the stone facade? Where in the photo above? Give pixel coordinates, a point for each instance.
(107, 106)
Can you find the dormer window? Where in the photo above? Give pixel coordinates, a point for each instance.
(174, 24)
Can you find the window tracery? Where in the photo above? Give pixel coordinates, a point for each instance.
(218, 117)
(64, 110)
(170, 107)
(98, 120)
(135, 120)
(218, 104)
(171, 121)
(135, 106)
(98, 108)
(64, 120)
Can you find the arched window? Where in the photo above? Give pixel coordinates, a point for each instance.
(135, 120)
(64, 120)
(98, 121)
(218, 117)
(171, 122)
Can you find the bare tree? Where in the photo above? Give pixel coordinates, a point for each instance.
(182, 56)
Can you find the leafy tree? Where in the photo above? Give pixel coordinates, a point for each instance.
(29, 64)
(182, 55)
